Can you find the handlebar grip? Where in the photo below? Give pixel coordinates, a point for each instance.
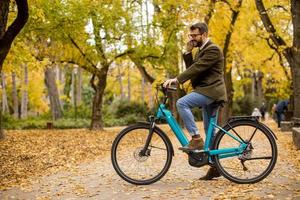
(172, 88)
(168, 88)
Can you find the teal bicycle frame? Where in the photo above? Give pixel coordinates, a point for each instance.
(164, 113)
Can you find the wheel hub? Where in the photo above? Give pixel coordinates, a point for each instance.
(247, 152)
(138, 154)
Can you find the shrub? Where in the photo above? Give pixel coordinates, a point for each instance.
(243, 106)
(82, 112)
(124, 108)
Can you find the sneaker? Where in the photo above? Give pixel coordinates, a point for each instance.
(194, 144)
(211, 173)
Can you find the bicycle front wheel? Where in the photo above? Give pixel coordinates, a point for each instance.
(136, 168)
(258, 159)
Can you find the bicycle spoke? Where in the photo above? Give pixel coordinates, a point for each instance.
(252, 135)
(135, 167)
(260, 158)
(157, 148)
(256, 161)
(236, 133)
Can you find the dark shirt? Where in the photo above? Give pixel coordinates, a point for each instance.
(262, 109)
(282, 106)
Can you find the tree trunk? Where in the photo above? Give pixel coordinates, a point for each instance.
(60, 78)
(129, 85)
(143, 89)
(295, 64)
(226, 111)
(120, 83)
(257, 88)
(211, 9)
(8, 35)
(2, 136)
(296, 87)
(151, 96)
(53, 94)
(24, 100)
(253, 87)
(4, 94)
(79, 86)
(292, 54)
(4, 9)
(74, 91)
(68, 82)
(15, 95)
(260, 93)
(99, 87)
(73, 86)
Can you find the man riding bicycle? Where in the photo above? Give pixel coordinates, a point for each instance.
(205, 71)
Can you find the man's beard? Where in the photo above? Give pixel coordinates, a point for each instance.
(199, 43)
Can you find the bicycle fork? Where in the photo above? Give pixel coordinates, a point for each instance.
(144, 151)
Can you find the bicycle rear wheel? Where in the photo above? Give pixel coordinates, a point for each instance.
(131, 165)
(258, 159)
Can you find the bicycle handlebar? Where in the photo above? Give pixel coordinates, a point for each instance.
(165, 89)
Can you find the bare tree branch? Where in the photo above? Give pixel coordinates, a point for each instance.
(268, 24)
(234, 16)
(81, 52)
(276, 49)
(229, 5)
(142, 70)
(125, 53)
(211, 8)
(268, 59)
(13, 30)
(277, 7)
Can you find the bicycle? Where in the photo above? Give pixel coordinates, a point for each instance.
(144, 146)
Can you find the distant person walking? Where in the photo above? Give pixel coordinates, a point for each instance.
(281, 107)
(256, 113)
(262, 110)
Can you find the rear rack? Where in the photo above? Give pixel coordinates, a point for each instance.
(254, 118)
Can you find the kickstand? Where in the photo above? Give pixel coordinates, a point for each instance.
(244, 167)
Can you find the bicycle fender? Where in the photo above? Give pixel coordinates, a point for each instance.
(161, 132)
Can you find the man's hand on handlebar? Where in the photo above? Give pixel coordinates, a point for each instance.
(169, 82)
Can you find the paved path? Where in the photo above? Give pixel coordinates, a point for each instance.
(98, 180)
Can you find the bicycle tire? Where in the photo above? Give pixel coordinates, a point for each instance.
(124, 133)
(262, 129)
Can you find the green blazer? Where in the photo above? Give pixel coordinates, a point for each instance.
(206, 72)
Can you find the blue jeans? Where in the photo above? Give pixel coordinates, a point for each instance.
(280, 117)
(189, 101)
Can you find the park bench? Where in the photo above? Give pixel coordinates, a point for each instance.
(286, 126)
(296, 132)
(296, 137)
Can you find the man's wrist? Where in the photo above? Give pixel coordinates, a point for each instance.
(177, 80)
